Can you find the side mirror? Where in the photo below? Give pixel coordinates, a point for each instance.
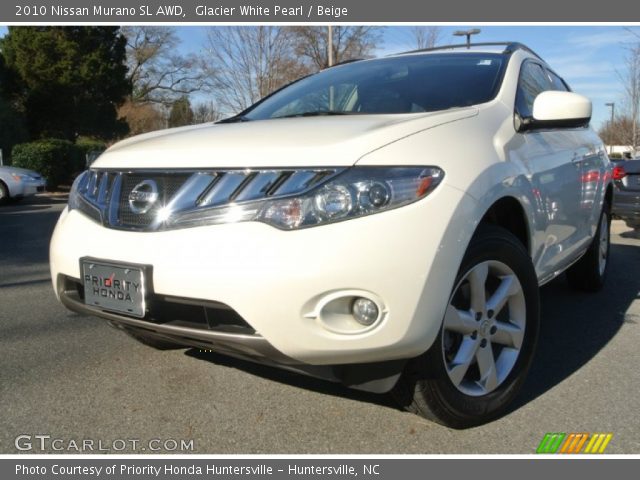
(554, 109)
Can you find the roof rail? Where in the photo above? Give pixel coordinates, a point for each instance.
(510, 47)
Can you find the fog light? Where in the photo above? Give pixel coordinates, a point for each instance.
(364, 311)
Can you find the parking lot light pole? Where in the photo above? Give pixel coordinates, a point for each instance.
(612, 105)
(329, 46)
(467, 33)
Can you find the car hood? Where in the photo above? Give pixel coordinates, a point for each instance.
(290, 142)
(16, 170)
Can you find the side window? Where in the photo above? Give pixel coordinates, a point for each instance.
(557, 83)
(533, 80)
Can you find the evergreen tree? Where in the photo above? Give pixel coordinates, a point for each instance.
(181, 113)
(68, 81)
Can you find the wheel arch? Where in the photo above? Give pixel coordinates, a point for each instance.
(502, 208)
(6, 188)
(608, 197)
(509, 213)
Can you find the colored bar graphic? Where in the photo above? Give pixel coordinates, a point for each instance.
(573, 443)
(590, 444)
(606, 441)
(598, 443)
(557, 442)
(568, 443)
(581, 442)
(550, 442)
(542, 448)
(577, 439)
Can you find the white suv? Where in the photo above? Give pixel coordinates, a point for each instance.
(384, 223)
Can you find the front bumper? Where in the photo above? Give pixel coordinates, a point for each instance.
(275, 280)
(377, 377)
(26, 188)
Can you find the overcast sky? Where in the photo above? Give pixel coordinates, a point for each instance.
(588, 58)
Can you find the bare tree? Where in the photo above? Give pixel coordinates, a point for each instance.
(205, 112)
(630, 78)
(142, 117)
(157, 71)
(618, 132)
(425, 37)
(245, 64)
(349, 42)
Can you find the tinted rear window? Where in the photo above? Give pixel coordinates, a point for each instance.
(406, 84)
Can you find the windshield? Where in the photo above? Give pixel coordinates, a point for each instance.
(404, 84)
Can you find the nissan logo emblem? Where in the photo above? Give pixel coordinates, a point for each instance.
(143, 196)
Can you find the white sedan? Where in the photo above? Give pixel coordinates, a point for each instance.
(17, 183)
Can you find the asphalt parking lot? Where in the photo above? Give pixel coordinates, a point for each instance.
(74, 378)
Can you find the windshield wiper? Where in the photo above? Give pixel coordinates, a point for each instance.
(320, 113)
(235, 119)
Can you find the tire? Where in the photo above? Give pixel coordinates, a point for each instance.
(4, 193)
(436, 385)
(152, 341)
(590, 272)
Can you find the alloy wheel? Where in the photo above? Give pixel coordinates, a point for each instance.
(484, 328)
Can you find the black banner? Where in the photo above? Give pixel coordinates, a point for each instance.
(339, 469)
(304, 11)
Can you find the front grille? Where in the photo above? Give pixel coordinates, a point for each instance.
(107, 196)
(168, 185)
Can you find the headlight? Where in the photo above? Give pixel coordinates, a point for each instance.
(21, 177)
(74, 194)
(356, 192)
(81, 197)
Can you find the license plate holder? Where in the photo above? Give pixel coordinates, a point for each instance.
(115, 287)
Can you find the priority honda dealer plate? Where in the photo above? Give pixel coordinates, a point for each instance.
(118, 288)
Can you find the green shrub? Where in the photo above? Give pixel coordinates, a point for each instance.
(90, 148)
(58, 160)
(87, 145)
